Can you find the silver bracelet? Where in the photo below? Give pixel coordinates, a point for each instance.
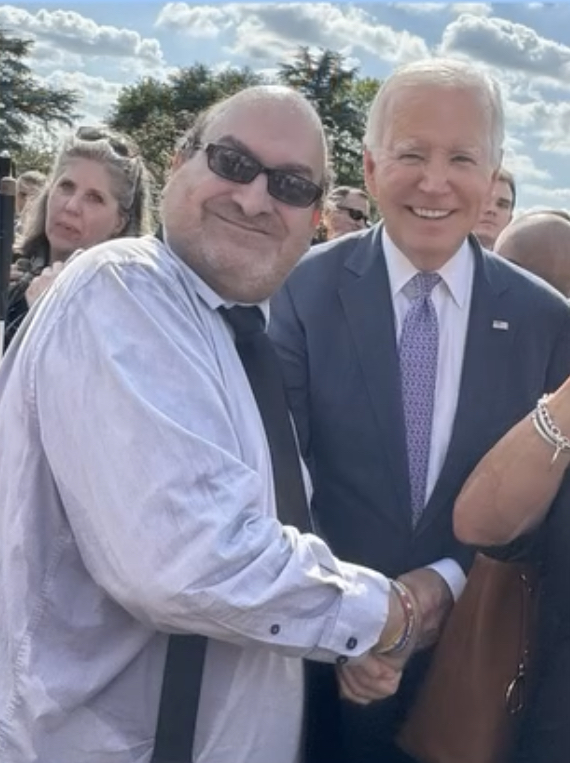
(548, 430)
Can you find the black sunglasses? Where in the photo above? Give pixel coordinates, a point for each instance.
(119, 146)
(355, 214)
(234, 165)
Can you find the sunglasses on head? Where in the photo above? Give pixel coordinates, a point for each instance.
(355, 214)
(119, 146)
(232, 164)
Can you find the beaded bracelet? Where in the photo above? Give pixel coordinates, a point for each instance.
(402, 641)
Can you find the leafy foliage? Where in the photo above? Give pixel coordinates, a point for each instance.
(155, 114)
(342, 101)
(34, 156)
(25, 102)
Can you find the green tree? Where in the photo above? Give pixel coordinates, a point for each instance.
(34, 156)
(364, 92)
(341, 100)
(155, 113)
(24, 101)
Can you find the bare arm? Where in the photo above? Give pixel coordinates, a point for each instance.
(511, 489)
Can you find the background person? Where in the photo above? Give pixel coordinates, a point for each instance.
(498, 211)
(345, 210)
(98, 189)
(539, 241)
(28, 185)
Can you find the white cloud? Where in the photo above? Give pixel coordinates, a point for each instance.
(96, 94)
(548, 197)
(74, 33)
(195, 21)
(330, 26)
(507, 45)
(524, 168)
(45, 56)
(423, 9)
(268, 31)
(473, 9)
(547, 122)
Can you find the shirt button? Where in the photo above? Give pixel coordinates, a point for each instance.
(275, 629)
(351, 643)
(341, 659)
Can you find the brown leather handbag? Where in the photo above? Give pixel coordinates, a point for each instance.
(470, 704)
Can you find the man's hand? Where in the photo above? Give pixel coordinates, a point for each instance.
(435, 602)
(378, 676)
(368, 680)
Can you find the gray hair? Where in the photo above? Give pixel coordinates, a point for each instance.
(32, 180)
(440, 72)
(193, 137)
(340, 192)
(130, 183)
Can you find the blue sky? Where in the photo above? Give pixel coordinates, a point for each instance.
(98, 47)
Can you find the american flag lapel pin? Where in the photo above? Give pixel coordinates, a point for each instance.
(501, 325)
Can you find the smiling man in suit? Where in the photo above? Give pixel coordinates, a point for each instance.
(408, 351)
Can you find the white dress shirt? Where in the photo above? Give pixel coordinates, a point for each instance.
(452, 301)
(137, 500)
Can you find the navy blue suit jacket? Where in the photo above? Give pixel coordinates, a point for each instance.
(333, 325)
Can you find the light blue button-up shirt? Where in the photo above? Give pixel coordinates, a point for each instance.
(136, 499)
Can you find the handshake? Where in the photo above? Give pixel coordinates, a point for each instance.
(420, 602)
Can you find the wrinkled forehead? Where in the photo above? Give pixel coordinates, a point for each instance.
(276, 131)
(410, 107)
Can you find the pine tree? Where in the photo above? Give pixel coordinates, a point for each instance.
(341, 101)
(24, 101)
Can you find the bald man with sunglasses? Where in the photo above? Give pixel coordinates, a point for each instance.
(345, 210)
(156, 591)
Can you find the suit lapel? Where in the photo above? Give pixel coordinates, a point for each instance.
(490, 334)
(367, 304)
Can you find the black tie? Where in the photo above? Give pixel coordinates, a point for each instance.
(262, 367)
(185, 658)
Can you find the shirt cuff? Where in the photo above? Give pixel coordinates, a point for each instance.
(360, 618)
(452, 573)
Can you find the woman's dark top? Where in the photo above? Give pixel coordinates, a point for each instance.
(546, 731)
(17, 305)
(17, 309)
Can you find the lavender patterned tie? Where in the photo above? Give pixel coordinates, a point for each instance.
(418, 368)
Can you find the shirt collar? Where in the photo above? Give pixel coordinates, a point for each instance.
(454, 273)
(211, 298)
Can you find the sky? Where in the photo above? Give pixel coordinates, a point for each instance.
(99, 47)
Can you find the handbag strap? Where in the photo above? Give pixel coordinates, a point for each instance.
(515, 693)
